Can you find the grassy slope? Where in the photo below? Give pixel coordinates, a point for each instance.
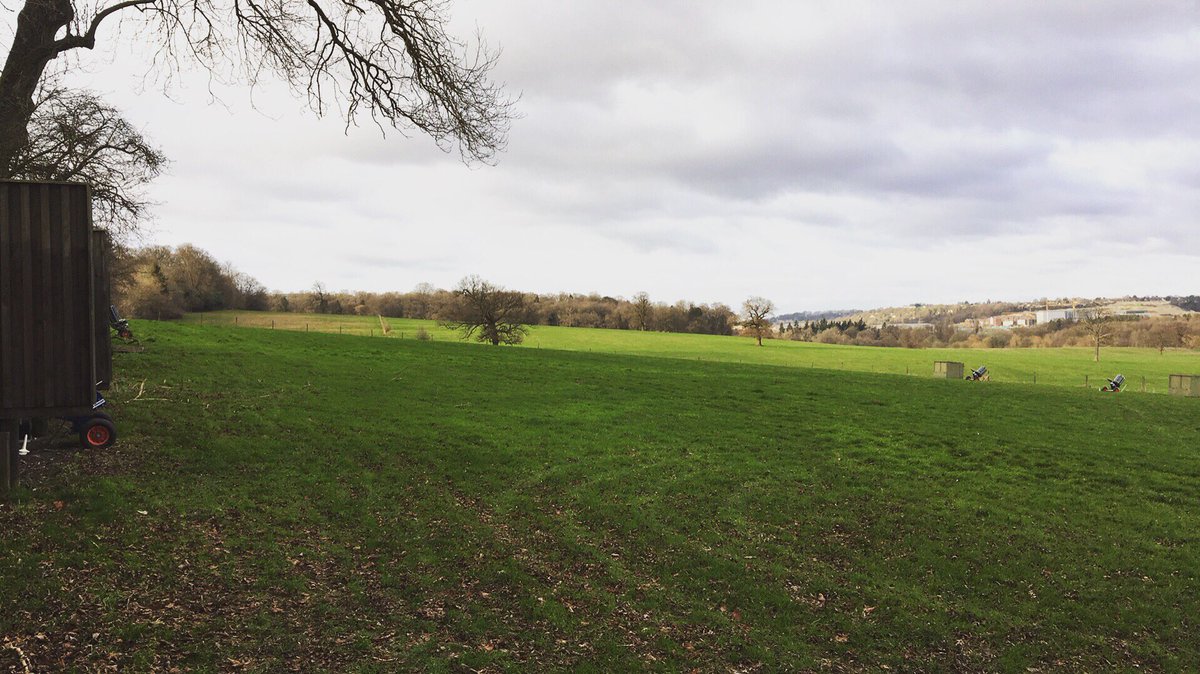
(377, 505)
(1063, 367)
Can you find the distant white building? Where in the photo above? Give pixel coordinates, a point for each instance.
(1047, 315)
(1012, 320)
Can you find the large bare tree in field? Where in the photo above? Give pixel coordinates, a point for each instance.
(390, 60)
(755, 316)
(488, 312)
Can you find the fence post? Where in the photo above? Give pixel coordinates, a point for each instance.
(5, 484)
(1085, 381)
(272, 323)
(1143, 383)
(306, 327)
(8, 454)
(235, 320)
(339, 328)
(1035, 377)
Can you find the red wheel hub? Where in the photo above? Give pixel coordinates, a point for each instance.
(97, 436)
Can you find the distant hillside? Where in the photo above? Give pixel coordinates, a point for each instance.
(1190, 302)
(942, 313)
(965, 311)
(813, 315)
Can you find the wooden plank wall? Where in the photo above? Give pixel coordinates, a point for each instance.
(1185, 385)
(47, 332)
(948, 369)
(102, 287)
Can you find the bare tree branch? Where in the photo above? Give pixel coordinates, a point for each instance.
(74, 136)
(88, 39)
(391, 61)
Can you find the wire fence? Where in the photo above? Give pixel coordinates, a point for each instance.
(348, 326)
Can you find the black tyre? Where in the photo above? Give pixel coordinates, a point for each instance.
(98, 433)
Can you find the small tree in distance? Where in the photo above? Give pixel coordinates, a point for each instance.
(1096, 325)
(641, 310)
(1167, 333)
(488, 312)
(756, 311)
(319, 298)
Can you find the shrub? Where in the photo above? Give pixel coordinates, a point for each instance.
(146, 301)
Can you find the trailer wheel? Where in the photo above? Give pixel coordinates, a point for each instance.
(98, 433)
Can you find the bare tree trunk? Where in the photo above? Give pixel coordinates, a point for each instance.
(33, 47)
(1097, 350)
(759, 335)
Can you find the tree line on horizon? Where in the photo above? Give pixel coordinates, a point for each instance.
(160, 282)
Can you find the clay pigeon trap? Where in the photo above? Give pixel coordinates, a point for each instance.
(978, 374)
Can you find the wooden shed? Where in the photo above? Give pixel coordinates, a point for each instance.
(948, 369)
(48, 320)
(1185, 385)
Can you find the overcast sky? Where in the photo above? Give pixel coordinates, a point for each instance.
(822, 154)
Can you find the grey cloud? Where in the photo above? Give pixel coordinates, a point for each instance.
(677, 239)
(396, 262)
(846, 110)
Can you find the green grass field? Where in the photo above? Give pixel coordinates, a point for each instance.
(1059, 367)
(314, 502)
